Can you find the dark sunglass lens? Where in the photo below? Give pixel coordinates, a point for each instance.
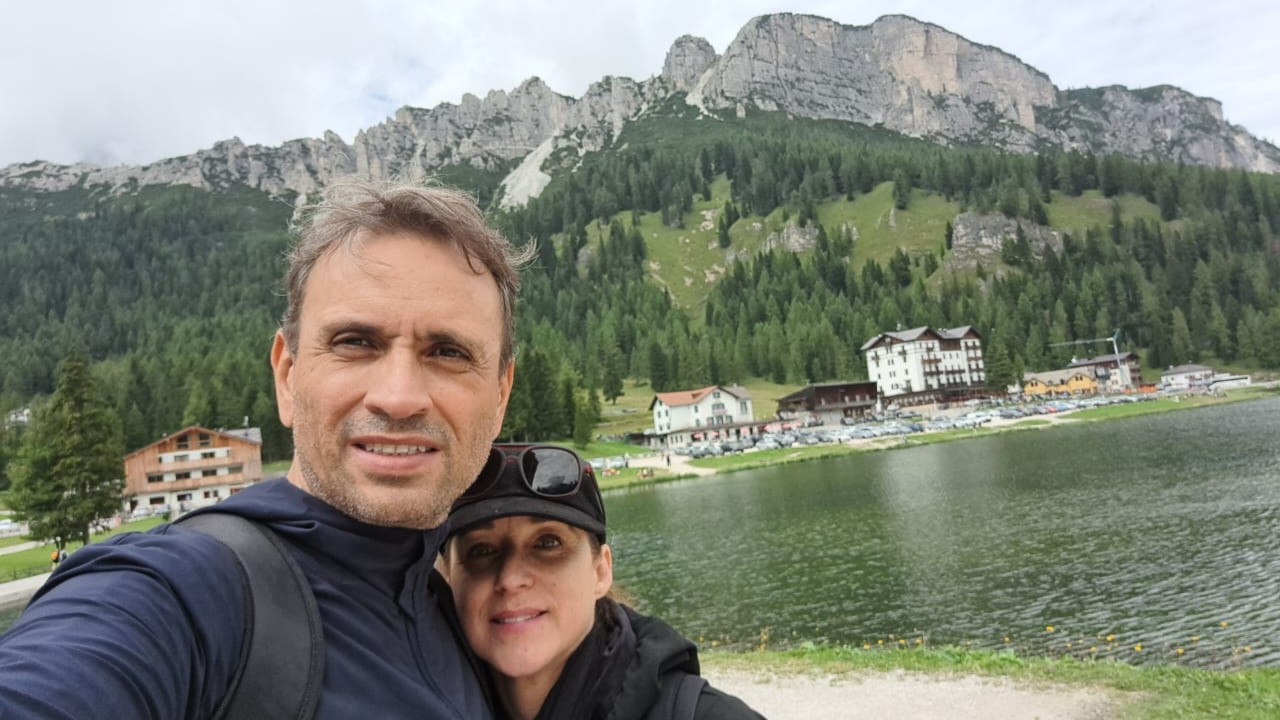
(551, 471)
(488, 475)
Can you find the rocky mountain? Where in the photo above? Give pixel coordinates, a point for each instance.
(898, 73)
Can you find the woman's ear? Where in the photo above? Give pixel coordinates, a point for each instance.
(604, 571)
(441, 566)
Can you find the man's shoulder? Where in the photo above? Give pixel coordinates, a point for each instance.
(168, 605)
(170, 554)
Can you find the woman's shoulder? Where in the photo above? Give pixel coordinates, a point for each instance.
(714, 704)
(676, 658)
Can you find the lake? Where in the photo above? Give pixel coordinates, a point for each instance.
(1131, 539)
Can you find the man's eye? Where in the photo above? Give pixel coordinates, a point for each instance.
(451, 352)
(352, 342)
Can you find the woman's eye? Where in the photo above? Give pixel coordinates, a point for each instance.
(478, 551)
(548, 542)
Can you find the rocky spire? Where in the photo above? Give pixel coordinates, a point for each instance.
(687, 59)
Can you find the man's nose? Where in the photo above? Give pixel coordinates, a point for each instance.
(400, 386)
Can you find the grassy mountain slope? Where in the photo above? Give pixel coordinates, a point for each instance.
(688, 261)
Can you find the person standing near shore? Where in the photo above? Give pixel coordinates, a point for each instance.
(393, 366)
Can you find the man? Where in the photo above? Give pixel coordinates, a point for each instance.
(393, 367)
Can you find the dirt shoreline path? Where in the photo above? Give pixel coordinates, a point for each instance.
(910, 696)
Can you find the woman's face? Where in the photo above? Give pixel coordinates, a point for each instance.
(526, 590)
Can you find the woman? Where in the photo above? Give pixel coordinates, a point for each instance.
(531, 578)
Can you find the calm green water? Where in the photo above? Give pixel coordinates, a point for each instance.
(1154, 529)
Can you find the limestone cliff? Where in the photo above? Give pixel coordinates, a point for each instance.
(908, 76)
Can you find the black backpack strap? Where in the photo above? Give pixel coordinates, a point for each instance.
(678, 699)
(687, 697)
(281, 670)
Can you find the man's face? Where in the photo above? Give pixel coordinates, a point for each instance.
(395, 392)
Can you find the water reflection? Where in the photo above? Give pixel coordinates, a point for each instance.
(1152, 530)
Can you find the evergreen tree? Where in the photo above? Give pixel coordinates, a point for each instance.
(901, 190)
(69, 472)
(10, 441)
(613, 371)
(659, 368)
(1182, 348)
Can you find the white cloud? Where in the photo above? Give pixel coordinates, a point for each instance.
(135, 82)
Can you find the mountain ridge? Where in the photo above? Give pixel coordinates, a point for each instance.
(900, 73)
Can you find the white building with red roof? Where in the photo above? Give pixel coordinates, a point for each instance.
(686, 415)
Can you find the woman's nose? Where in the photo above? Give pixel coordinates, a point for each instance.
(514, 573)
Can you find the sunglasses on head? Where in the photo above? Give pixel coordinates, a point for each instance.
(547, 471)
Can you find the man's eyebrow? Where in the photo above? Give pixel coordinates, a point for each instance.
(450, 337)
(358, 327)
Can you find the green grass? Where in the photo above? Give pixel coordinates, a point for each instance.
(1077, 214)
(919, 229)
(278, 466)
(1140, 693)
(781, 456)
(688, 261)
(36, 560)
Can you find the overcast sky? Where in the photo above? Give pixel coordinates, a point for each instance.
(136, 81)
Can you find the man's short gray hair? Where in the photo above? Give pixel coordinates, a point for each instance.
(353, 204)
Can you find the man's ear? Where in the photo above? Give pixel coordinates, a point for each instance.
(506, 379)
(282, 370)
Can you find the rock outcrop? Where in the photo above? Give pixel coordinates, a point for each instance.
(688, 58)
(979, 239)
(905, 75)
(908, 76)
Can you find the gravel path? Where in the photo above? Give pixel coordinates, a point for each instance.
(885, 696)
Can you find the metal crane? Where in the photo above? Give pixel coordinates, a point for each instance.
(1121, 367)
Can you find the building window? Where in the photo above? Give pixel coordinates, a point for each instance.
(235, 469)
(155, 478)
(184, 442)
(182, 476)
(184, 497)
(742, 407)
(207, 454)
(206, 440)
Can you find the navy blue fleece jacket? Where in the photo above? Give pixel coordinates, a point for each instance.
(151, 625)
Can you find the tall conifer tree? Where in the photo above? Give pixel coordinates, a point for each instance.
(69, 471)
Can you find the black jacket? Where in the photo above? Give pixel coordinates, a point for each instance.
(620, 669)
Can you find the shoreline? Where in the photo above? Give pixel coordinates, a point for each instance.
(682, 468)
(943, 683)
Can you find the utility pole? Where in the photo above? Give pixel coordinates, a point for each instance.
(1121, 367)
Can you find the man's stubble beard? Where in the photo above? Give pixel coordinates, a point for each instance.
(417, 507)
